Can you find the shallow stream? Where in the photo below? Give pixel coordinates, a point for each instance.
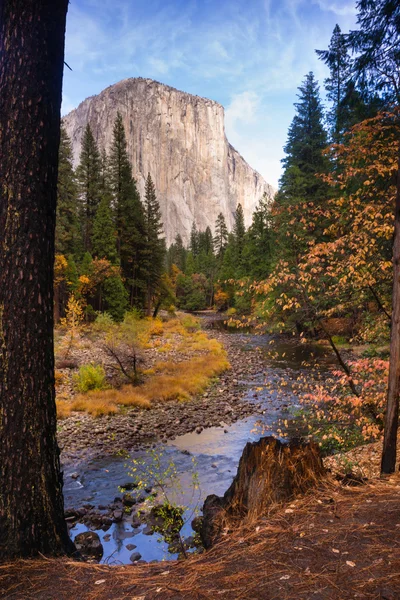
(216, 450)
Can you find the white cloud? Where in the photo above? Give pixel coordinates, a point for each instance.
(340, 9)
(243, 108)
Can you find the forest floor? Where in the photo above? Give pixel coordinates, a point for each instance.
(336, 542)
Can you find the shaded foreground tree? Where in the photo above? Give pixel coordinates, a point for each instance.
(31, 67)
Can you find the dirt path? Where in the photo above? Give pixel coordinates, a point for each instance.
(336, 543)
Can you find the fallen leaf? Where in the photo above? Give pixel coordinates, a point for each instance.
(289, 510)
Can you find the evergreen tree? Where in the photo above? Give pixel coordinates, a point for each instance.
(239, 231)
(88, 175)
(205, 241)
(194, 241)
(301, 185)
(176, 255)
(67, 223)
(306, 140)
(258, 247)
(155, 243)
(180, 251)
(104, 233)
(130, 218)
(115, 297)
(221, 235)
(377, 46)
(337, 84)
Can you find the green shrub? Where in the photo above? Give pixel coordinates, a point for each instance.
(191, 324)
(90, 377)
(104, 322)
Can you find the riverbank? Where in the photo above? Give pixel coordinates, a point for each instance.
(335, 543)
(81, 436)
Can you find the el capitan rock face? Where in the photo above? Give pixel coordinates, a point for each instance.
(180, 139)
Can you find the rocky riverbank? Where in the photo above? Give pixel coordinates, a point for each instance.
(81, 436)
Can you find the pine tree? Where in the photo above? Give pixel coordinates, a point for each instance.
(88, 175)
(239, 231)
(155, 243)
(194, 240)
(115, 297)
(104, 233)
(306, 141)
(221, 235)
(180, 251)
(337, 85)
(130, 218)
(258, 247)
(68, 240)
(205, 241)
(376, 44)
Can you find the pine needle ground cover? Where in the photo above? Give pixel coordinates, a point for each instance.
(335, 543)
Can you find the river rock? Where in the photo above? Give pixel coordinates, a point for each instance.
(88, 544)
(269, 472)
(135, 556)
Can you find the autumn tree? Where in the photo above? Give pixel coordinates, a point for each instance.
(377, 43)
(31, 67)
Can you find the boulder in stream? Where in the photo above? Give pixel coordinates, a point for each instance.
(88, 544)
(269, 472)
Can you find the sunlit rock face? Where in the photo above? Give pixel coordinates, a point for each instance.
(180, 139)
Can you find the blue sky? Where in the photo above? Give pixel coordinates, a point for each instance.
(248, 55)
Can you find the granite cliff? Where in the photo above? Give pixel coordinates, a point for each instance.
(180, 139)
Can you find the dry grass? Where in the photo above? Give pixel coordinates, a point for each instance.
(167, 380)
(63, 409)
(105, 402)
(171, 381)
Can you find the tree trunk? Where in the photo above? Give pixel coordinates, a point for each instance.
(31, 67)
(388, 463)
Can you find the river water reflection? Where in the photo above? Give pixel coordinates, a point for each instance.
(216, 450)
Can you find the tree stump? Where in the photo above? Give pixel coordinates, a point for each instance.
(269, 472)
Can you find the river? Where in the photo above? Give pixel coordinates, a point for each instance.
(216, 450)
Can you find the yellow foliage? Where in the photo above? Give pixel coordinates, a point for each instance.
(63, 409)
(58, 378)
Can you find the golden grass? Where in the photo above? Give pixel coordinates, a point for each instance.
(167, 380)
(63, 409)
(171, 381)
(105, 402)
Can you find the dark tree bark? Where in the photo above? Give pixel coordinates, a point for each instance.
(31, 67)
(388, 463)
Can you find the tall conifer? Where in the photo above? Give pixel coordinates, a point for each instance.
(155, 242)
(68, 239)
(88, 175)
(130, 218)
